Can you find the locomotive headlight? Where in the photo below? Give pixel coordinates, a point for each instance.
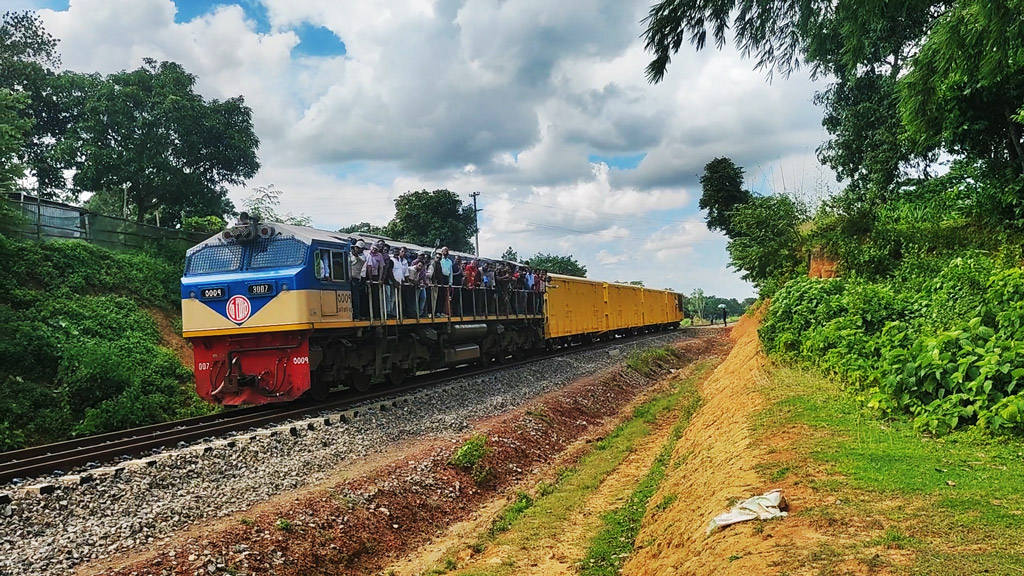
(284, 287)
(192, 294)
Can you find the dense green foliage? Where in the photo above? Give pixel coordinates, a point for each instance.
(79, 353)
(948, 350)
(557, 264)
(434, 219)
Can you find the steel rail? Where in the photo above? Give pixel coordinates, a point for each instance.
(68, 456)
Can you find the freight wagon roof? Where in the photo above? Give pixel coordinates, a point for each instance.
(588, 280)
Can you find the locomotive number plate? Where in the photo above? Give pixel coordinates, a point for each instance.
(261, 289)
(212, 293)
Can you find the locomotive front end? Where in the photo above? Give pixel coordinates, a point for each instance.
(246, 315)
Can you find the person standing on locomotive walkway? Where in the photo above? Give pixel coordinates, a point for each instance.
(372, 273)
(445, 281)
(356, 263)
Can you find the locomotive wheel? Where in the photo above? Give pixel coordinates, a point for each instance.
(396, 376)
(359, 380)
(319, 389)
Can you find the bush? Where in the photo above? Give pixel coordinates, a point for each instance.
(78, 353)
(950, 354)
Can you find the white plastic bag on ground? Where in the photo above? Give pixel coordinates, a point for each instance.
(765, 507)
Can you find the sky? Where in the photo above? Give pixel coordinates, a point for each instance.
(540, 106)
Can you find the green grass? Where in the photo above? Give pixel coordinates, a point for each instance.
(532, 522)
(614, 544)
(470, 457)
(646, 362)
(510, 514)
(956, 501)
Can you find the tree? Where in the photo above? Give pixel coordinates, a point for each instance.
(966, 86)
(697, 303)
(766, 246)
(28, 60)
(365, 227)
(14, 129)
(510, 255)
(722, 185)
(557, 265)
(146, 137)
(263, 203)
(866, 46)
(434, 218)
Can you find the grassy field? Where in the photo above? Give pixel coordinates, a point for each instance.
(890, 499)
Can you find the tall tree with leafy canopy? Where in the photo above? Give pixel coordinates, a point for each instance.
(13, 130)
(557, 264)
(438, 217)
(146, 137)
(965, 91)
(28, 68)
(722, 193)
(865, 45)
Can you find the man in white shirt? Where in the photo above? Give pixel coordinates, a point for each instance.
(398, 271)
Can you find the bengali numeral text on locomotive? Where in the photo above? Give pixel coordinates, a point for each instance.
(209, 293)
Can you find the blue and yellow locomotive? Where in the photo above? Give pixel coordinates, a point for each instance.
(268, 310)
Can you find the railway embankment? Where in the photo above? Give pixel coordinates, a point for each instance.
(864, 495)
(321, 496)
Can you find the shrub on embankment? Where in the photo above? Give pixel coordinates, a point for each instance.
(79, 353)
(947, 348)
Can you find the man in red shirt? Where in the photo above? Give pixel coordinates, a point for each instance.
(469, 280)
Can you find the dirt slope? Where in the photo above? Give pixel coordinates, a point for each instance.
(713, 465)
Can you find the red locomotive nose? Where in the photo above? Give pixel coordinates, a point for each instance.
(252, 368)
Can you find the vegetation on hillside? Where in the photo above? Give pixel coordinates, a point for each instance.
(79, 353)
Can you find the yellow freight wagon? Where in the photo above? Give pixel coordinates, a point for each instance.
(573, 306)
(661, 307)
(577, 307)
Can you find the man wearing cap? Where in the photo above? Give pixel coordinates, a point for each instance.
(372, 275)
(356, 263)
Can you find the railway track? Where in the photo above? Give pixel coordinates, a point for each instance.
(72, 455)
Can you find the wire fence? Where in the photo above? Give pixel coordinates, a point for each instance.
(44, 220)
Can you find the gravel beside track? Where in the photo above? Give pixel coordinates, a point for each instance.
(51, 534)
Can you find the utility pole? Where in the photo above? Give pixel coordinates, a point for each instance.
(476, 220)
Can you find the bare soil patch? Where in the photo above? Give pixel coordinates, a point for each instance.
(359, 525)
(714, 465)
(170, 337)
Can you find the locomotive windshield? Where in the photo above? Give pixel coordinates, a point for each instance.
(262, 254)
(214, 258)
(277, 253)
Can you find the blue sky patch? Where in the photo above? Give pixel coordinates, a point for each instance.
(624, 162)
(255, 11)
(318, 41)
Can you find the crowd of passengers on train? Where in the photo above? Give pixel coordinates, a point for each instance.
(392, 282)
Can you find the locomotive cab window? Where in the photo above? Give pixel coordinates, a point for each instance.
(331, 265)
